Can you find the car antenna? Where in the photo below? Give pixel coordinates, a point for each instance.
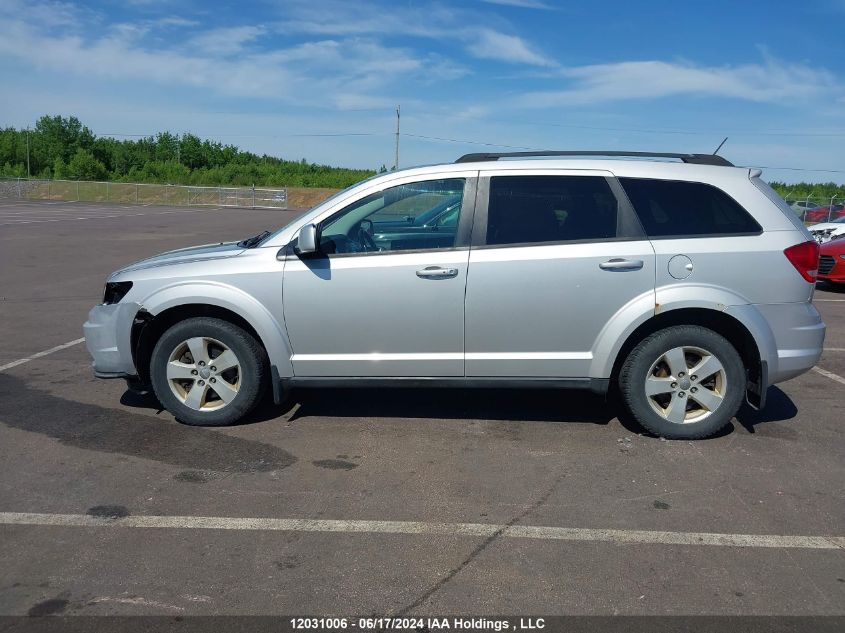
(720, 146)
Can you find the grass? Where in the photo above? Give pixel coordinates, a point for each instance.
(176, 195)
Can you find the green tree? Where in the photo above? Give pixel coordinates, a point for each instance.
(166, 146)
(58, 137)
(60, 169)
(56, 141)
(83, 166)
(191, 151)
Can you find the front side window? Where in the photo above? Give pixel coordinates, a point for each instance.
(669, 208)
(414, 216)
(536, 209)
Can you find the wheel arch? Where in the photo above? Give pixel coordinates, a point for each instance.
(734, 330)
(161, 311)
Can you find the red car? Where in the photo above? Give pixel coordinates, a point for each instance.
(821, 214)
(832, 262)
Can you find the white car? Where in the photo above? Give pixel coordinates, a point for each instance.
(826, 231)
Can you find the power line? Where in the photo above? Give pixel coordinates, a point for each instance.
(485, 144)
(120, 135)
(833, 133)
(455, 140)
(824, 171)
(539, 149)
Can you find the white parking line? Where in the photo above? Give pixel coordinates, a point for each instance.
(419, 527)
(834, 349)
(828, 300)
(57, 348)
(829, 374)
(100, 217)
(34, 218)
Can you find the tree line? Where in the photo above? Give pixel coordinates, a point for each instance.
(62, 148)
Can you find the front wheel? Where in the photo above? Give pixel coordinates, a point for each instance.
(684, 382)
(208, 372)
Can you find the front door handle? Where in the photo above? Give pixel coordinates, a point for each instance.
(617, 263)
(436, 272)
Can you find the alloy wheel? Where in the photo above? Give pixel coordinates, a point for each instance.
(204, 373)
(686, 384)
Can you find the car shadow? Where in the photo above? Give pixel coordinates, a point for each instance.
(265, 411)
(779, 407)
(518, 405)
(124, 432)
(827, 286)
(514, 405)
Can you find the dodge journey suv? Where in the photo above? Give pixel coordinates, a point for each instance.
(682, 283)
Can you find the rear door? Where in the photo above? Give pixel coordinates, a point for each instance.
(555, 255)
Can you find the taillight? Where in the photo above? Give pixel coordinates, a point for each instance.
(805, 258)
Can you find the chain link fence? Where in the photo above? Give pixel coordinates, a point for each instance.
(816, 209)
(811, 209)
(140, 193)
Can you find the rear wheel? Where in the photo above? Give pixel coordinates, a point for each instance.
(684, 382)
(208, 372)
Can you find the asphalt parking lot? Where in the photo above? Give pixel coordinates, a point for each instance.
(370, 502)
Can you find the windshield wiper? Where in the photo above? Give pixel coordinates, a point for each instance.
(254, 240)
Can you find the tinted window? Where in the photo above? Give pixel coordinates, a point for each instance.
(673, 208)
(530, 209)
(414, 216)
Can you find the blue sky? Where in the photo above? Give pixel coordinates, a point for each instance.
(320, 79)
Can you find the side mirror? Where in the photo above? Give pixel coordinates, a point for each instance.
(308, 241)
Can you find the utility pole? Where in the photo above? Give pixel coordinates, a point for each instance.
(27, 151)
(396, 163)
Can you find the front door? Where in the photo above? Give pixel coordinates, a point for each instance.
(386, 296)
(555, 256)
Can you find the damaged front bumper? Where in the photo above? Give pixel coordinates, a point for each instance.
(108, 337)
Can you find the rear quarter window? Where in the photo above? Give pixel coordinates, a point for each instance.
(671, 208)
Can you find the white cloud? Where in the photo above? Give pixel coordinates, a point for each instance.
(312, 72)
(174, 20)
(128, 31)
(522, 4)
(490, 44)
(225, 41)
(772, 81)
(432, 22)
(46, 13)
(341, 18)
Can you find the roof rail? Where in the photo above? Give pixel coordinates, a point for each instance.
(696, 159)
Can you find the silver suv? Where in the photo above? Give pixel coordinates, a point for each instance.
(683, 285)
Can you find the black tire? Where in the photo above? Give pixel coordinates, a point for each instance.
(645, 361)
(252, 373)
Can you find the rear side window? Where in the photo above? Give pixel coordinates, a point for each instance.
(533, 209)
(669, 208)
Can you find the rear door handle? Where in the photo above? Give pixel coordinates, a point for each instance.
(436, 272)
(617, 263)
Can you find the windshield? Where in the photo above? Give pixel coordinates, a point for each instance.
(326, 201)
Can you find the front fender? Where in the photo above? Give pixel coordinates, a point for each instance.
(269, 329)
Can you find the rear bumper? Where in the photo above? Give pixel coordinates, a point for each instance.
(799, 334)
(108, 332)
